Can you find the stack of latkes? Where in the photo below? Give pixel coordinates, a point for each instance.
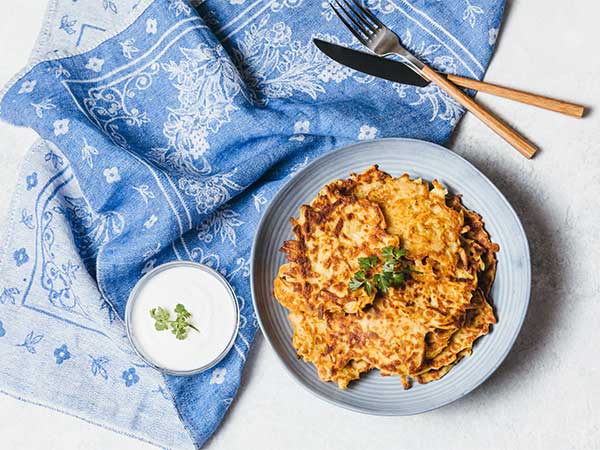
(418, 329)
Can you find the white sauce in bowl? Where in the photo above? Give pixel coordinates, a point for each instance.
(206, 295)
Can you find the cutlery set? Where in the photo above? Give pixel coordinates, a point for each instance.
(382, 43)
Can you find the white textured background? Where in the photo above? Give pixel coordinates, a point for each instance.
(547, 393)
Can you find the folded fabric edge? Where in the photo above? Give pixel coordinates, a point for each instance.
(9, 218)
(497, 39)
(38, 57)
(184, 422)
(41, 43)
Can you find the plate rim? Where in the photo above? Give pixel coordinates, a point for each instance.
(460, 393)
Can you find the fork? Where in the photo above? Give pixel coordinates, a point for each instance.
(372, 33)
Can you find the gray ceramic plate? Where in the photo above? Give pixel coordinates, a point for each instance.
(374, 394)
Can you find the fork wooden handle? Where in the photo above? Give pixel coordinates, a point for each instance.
(552, 104)
(525, 147)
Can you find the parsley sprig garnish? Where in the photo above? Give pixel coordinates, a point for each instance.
(360, 280)
(179, 326)
(394, 271)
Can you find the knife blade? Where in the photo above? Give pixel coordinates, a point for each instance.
(397, 71)
(377, 66)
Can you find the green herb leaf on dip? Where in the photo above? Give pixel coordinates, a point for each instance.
(179, 326)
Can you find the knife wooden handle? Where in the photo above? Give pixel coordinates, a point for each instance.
(552, 104)
(525, 147)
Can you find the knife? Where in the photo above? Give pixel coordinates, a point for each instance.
(399, 72)
(371, 64)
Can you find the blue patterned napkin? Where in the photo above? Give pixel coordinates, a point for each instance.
(165, 142)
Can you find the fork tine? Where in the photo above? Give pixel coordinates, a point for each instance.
(358, 36)
(369, 14)
(360, 16)
(357, 23)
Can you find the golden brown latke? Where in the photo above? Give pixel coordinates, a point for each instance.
(418, 330)
(331, 234)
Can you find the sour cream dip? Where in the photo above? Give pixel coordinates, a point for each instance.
(214, 312)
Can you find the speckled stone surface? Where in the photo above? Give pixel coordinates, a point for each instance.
(546, 395)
